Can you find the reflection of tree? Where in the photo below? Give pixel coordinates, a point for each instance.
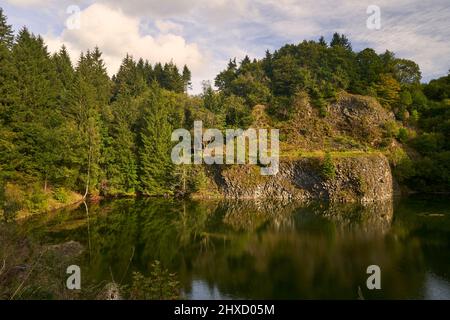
(316, 251)
(374, 218)
(252, 250)
(430, 229)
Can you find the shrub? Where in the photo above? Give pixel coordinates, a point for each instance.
(61, 195)
(14, 200)
(403, 167)
(198, 180)
(160, 285)
(328, 168)
(428, 143)
(402, 135)
(36, 200)
(391, 129)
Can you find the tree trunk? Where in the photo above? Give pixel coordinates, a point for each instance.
(88, 173)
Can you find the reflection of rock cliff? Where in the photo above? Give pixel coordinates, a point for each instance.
(320, 250)
(363, 178)
(375, 217)
(249, 215)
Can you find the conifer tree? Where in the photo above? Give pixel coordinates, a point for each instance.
(119, 151)
(65, 74)
(89, 96)
(6, 32)
(35, 117)
(186, 76)
(156, 168)
(129, 80)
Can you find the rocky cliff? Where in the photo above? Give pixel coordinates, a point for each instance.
(360, 178)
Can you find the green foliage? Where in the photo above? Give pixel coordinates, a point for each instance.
(387, 89)
(156, 167)
(72, 127)
(6, 32)
(328, 169)
(198, 180)
(402, 165)
(402, 135)
(438, 89)
(160, 285)
(36, 200)
(13, 200)
(61, 195)
(321, 71)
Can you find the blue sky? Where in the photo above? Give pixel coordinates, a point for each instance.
(205, 34)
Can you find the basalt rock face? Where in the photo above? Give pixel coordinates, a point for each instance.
(359, 117)
(363, 178)
(351, 121)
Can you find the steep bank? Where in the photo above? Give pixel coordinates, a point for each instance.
(361, 178)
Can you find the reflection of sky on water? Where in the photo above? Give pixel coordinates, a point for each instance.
(436, 288)
(202, 291)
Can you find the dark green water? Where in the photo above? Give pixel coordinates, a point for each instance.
(264, 250)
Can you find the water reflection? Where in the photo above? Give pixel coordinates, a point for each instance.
(242, 249)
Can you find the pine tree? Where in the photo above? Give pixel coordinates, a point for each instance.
(8, 97)
(148, 73)
(171, 78)
(36, 74)
(158, 74)
(156, 168)
(129, 80)
(6, 32)
(119, 150)
(245, 61)
(35, 118)
(322, 41)
(340, 40)
(65, 74)
(186, 76)
(8, 87)
(88, 100)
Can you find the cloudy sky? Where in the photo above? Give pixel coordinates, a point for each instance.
(204, 34)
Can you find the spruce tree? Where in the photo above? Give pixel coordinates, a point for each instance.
(6, 32)
(35, 118)
(129, 80)
(88, 101)
(65, 75)
(186, 76)
(119, 148)
(156, 168)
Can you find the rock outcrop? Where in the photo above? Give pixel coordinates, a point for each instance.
(361, 178)
(352, 121)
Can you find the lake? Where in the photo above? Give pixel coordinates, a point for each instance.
(262, 250)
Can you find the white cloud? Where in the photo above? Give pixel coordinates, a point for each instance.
(30, 2)
(205, 33)
(117, 34)
(166, 26)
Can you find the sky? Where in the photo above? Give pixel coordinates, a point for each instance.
(205, 34)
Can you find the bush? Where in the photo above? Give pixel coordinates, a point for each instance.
(391, 129)
(328, 168)
(37, 200)
(402, 166)
(61, 195)
(428, 143)
(198, 180)
(402, 135)
(160, 285)
(14, 200)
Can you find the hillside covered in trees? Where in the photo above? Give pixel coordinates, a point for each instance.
(71, 129)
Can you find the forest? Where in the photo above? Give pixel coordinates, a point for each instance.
(68, 130)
